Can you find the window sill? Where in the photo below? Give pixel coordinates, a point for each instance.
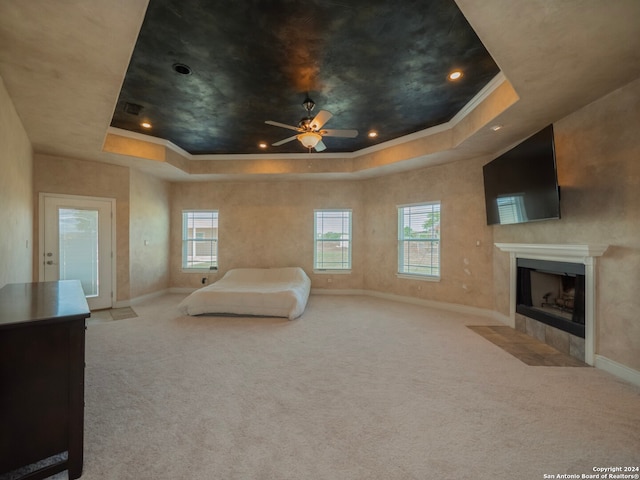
(332, 272)
(199, 270)
(422, 278)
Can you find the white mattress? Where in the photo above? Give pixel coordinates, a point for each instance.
(273, 292)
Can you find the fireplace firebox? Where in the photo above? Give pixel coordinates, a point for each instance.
(553, 293)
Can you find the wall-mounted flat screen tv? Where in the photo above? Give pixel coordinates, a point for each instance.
(521, 185)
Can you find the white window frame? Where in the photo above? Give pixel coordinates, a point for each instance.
(189, 244)
(403, 263)
(318, 264)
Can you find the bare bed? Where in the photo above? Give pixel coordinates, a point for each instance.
(271, 292)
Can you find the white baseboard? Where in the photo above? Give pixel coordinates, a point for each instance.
(328, 291)
(504, 319)
(619, 370)
(182, 290)
(453, 307)
(143, 298)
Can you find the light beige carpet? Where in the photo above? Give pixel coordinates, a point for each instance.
(357, 388)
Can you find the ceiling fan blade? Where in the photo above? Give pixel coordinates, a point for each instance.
(283, 125)
(320, 146)
(340, 133)
(281, 142)
(320, 119)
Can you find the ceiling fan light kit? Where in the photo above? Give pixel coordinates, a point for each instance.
(310, 134)
(309, 139)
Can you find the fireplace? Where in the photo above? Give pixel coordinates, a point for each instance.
(568, 274)
(553, 293)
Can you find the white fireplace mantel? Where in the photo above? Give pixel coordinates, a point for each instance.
(555, 252)
(585, 254)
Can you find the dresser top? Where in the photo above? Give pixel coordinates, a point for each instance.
(42, 302)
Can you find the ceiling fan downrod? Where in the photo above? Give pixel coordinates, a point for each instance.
(308, 105)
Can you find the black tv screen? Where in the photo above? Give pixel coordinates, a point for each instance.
(521, 185)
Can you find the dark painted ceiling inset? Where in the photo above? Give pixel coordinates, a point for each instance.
(375, 65)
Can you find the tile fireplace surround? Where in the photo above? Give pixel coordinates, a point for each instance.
(584, 254)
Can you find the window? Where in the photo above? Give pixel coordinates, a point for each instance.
(199, 240)
(332, 236)
(419, 239)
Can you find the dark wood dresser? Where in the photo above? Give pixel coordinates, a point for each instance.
(42, 333)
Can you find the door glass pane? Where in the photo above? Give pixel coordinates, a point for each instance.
(79, 247)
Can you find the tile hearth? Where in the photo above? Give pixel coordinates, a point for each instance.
(526, 348)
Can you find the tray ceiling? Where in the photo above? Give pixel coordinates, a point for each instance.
(206, 75)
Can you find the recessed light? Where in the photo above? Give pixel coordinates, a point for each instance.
(373, 134)
(145, 125)
(455, 75)
(262, 145)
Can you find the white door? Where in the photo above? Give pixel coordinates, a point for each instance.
(75, 244)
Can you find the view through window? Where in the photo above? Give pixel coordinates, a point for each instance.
(419, 239)
(200, 239)
(332, 234)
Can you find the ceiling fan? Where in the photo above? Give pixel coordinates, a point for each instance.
(309, 129)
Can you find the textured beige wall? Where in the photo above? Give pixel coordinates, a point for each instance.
(149, 234)
(598, 156)
(466, 268)
(77, 177)
(267, 224)
(16, 195)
